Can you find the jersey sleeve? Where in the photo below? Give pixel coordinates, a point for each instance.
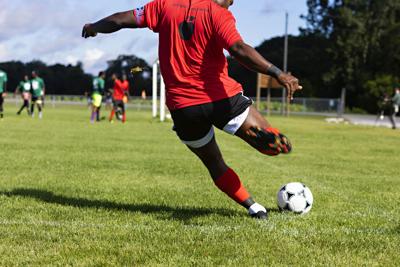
(152, 14)
(225, 28)
(5, 77)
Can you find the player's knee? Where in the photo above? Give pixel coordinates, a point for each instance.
(270, 142)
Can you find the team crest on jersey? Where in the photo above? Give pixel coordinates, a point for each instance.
(138, 13)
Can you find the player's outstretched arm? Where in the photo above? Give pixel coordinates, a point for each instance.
(110, 24)
(250, 58)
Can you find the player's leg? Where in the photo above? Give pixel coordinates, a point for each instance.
(392, 118)
(39, 104)
(98, 113)
(198, 135)
(25, 104)
(226, 178)
(33, 103)
(258, 133)
(21, 108)
(122, 105)
(93, 114)
(113, 110)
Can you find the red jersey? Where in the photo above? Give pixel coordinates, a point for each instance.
(192, 39)
(120, 89)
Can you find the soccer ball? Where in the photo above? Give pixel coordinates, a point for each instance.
(295, 197)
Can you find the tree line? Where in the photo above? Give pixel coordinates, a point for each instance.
(72, 80)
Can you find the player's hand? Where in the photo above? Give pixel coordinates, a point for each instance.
(291, 84)
(88, 31)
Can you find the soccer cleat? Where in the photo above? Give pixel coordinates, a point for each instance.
(271, 142)
(257, 211)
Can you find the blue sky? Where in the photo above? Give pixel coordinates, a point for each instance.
(49, 30)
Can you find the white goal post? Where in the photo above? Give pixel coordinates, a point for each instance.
(158, 80)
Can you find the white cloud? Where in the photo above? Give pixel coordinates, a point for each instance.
(93, 57)
(70, 59)
(4, 54)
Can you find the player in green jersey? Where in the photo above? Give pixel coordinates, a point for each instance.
(3, 90)
(97, 96)
(24, 87)
(38, 89)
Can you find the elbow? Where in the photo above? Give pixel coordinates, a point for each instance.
(237, 50)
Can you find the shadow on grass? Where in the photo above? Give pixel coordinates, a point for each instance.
(162, 211)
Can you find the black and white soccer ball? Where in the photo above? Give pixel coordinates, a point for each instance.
(295, 197)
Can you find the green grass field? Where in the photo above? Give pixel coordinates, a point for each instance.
(77, 194)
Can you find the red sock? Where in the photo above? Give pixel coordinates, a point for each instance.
(124, 117)
(112, 115)
(230, 184)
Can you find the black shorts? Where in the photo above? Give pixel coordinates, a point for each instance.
(35, 99)
(194, 125)
(119, 104)
(1, 99)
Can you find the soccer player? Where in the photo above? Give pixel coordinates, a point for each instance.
(24, 87)
(97, 96)
(38, 91)
(200, 94)
(120, 91)
(3, 90)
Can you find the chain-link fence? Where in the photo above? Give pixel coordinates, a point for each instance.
(305, 106)
(302, 106)
(135, 103)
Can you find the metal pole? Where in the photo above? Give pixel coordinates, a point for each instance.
(285, 61)
(285, 56)
(155, 89)
(269, 102)
(342, 103)
(162, 100)
(258, 91)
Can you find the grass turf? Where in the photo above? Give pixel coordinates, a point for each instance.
(77, 194)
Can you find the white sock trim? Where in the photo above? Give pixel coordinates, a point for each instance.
(255, 208)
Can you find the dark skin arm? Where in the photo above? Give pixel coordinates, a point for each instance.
(110, 24)
(250, 58)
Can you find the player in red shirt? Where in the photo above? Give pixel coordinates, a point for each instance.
(200, 94)
(120, 92)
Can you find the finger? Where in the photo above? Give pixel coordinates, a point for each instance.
(290, 91)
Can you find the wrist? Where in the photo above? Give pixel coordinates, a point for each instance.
(274, 71)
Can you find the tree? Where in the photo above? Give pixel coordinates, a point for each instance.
(364, 35)
(123, 65)
(308, 60)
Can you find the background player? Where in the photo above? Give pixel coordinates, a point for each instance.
(120, 91)
(24, 87)
(97, 96)
(38, 91)
(200, 94)
(3, 90)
